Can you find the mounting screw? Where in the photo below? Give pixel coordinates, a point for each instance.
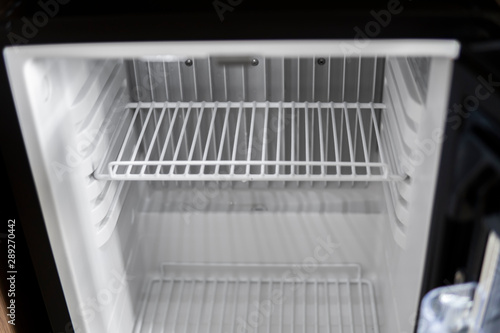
(189, 62)
(255, 62)
(321, 61)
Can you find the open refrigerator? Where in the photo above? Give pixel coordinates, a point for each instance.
(252, 166)
(233, 186)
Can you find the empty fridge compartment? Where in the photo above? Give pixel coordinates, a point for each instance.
(276, 123)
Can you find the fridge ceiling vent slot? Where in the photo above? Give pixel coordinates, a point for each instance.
(250, 141)
(256, 298)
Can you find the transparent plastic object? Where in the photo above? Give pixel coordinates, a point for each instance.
(447, 309)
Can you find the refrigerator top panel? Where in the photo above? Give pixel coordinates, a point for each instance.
(176, 50)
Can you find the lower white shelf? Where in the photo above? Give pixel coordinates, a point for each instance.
(258, 298)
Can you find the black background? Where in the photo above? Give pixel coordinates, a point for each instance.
(31, 315)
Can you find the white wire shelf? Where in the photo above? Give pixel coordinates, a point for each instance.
(253, 298)
(249, 141)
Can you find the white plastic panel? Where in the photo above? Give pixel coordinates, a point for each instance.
(83, 104)
(411, 47)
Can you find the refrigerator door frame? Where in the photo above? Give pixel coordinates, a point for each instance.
(460, 224)
(62, 201)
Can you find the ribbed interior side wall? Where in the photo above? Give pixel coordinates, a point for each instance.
(96, 91)
(404, 96)
(94, 106)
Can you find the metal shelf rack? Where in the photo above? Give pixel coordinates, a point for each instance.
(250, 141)
(256, 298)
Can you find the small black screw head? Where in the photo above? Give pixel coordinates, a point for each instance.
(255, 62)
(189, 62)
(321, 61)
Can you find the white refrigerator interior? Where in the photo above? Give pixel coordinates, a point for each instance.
(236, 186)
